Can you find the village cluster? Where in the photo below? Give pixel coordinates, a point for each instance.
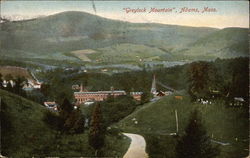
(84, 97)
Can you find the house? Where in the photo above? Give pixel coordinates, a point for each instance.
(51, 105)
(160, 94)
(136, 95)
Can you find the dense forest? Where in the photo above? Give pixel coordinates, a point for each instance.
(223, 78)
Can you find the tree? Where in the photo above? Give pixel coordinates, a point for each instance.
(240, 79)
(97, 132)
(1, 81)
(17, 88)
(146, 96)
(65, 109)
(75, 122)
(115, 109)
(9, 87)
(195, 143)
(202, 78)
(46, 90)
(69, 120)
(53, 120)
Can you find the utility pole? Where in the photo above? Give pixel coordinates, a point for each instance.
(0, 128)
(176, 119)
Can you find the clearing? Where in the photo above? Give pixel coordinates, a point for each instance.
(82, 54)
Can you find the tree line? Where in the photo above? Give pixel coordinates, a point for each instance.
(222, 78)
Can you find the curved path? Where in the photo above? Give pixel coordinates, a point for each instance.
(137, 148)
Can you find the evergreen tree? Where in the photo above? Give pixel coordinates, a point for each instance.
(75, 122)
(9, 87)
(195, 143)
(96, 133)
(17, 88)
(79, 122)
(52, 120)
(239, 77)
(201, 78)
(65, 109)
(146, 96)
(1, 81)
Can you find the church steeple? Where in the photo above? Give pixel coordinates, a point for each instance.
(153, 88)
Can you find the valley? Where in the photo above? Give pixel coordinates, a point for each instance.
(76, 84)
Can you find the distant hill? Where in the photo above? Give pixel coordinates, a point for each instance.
(225, 43)
(222, 123)
(54, 37)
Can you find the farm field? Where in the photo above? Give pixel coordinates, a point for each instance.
(157, 120)
(82, 54)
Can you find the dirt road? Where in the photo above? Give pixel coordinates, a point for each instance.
(137, 148)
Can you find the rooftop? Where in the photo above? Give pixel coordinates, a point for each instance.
(101, 92)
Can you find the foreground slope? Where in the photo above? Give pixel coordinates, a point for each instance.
(156, 120)
(24, 133)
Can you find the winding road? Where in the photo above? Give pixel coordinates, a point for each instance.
(137, 148)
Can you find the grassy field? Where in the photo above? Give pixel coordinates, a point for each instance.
(157, 120)
(15, 71)
(27, 135)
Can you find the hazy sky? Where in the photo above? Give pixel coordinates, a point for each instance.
(228, 13)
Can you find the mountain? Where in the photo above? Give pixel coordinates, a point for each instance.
(54, 37)
(225, 43)
(157, 119)
(69, 31)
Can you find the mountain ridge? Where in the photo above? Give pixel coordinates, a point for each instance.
(52, 36)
